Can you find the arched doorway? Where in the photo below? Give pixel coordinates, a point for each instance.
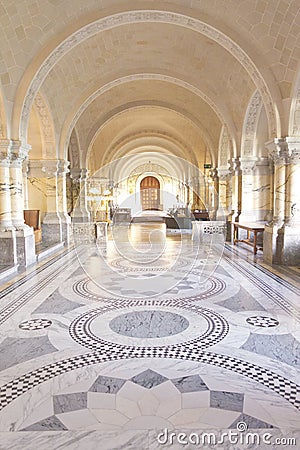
(150, 193)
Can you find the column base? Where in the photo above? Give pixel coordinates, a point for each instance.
(8, 254)
(282, 245)
(51, 229)
(80, 216)
(25, 243)
(84, 233)
(66, 228)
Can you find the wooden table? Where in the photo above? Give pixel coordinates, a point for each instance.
(250, 228)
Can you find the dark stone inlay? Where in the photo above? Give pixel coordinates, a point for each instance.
(49, 424)
(69, 402)
(232, 401)
(148, 379)
(262, 321)
(192, 383)
(251, 422)
(56, 303)
(35, 324)
(283, 347)
(107, 385)
(149, 324)
(15, 350)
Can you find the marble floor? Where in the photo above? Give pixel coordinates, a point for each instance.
(117, 344)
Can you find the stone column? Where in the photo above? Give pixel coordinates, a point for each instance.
(24, 234)
(80, 212)
(262, 182)
(282, 234)
(225, 198)
(25, 183)
(290, 254)
(247, 168)
(51, 227)
(236, 189)
(8, 254)
(62, 201)
(214, 193)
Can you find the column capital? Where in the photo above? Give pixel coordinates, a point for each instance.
(236, 166)
(247, 165)
(79, 174)
(50, 167)
(285, 151)
(63, 167)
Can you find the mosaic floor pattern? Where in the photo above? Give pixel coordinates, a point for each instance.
(112, 355)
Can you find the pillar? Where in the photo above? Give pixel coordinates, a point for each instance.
(25, 241)
(247, 210)
(62, 200)
(225, 198)
(282, 234)
(51, 226)
(262, 190)
(80, 212)
(8, 254)
(236, 189)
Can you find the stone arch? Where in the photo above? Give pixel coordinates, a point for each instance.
(3, 121)
(250, 125)
(205, 135)
(225, 149)
(294, 119)
(37, 72)
(74, 150)
(49, 149)
(72, 118)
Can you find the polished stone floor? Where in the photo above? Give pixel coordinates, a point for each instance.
(104, 346)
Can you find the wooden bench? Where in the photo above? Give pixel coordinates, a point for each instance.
(250, 228)
(32, 219)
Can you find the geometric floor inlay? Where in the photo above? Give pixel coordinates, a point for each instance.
(262, 321)
(35, 324)
(149, 324)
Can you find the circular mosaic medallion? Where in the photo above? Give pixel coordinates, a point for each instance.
(262, 321)
(190, 289)
(35, 324)
(149, 324)
(87, 329)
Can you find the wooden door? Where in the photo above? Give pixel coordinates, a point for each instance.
(150, 193)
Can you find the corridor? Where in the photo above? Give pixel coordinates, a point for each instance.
(118, 341)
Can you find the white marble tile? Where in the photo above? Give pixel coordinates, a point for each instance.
(77, 420)
(100, 400)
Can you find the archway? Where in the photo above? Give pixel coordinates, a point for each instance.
(150, 193)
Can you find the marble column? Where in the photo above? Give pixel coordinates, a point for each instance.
(290, 254)
(80, 211)
(225, 198)
(62, 201)
(214, 193)
(247, 167)
(8, 254)
(282, 234)
(25, 241)
(51, 226)
(236, 189)
(25, 183)
(262, 183)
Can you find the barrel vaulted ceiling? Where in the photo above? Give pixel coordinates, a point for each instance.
(122, 72)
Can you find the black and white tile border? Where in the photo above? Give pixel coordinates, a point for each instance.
(191, 352)
(80, 331)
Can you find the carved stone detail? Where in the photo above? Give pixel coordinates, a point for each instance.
(250, 124)
(47, 125)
